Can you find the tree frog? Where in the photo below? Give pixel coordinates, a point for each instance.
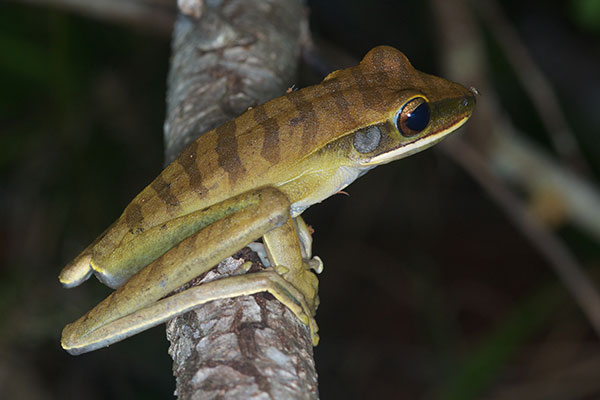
(253, 177)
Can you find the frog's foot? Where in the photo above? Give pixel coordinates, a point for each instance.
(264, 281)
(293, 299)
(305, 281)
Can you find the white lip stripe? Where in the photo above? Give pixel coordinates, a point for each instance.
(416, 145)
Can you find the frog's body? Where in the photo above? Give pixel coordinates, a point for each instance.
(249, 178)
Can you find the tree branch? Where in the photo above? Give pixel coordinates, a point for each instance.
(225, 60)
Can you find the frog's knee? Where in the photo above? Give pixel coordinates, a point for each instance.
(76, 272)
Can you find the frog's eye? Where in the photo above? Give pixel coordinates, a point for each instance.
(413, 117)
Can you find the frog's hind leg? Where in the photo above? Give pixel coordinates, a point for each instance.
(80, 269)
(133, 307)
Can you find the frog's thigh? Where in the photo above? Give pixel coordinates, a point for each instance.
(190, 258)
(115, 266)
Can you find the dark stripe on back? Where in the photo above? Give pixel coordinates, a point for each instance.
(307, 118)
(335, 89)
(227, 152)
(371, 98)
(188, 162)
(270, 149)
(133, 217)
(163, 190)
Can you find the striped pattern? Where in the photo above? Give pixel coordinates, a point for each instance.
(371, 99)
(342, 104)
(306, 120)
(163, 190)
(133, 217)
(189, 163)
(270, 148)
(268, 141)
(228, 152)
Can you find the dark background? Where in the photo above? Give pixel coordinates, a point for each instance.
(455, 302)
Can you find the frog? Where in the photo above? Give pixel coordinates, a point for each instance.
(250, 179)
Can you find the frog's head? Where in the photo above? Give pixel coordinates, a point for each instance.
(418, 111)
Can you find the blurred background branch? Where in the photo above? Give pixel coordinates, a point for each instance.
(574, 199)
(155, 16)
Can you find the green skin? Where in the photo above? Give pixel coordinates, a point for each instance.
(252, 178)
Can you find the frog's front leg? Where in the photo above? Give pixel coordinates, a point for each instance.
(305, 237)
(283, 248)
(304, 233)
(135, 306)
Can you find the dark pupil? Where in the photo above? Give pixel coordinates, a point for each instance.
(418, 119)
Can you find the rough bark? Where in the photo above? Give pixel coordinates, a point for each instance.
(228, 56)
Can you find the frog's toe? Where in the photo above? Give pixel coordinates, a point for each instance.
(316, 264)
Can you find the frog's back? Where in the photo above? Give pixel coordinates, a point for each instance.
(263, 146)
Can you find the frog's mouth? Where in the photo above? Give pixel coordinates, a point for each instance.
(416, 146)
